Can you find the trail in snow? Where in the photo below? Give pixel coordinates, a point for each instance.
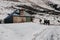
(51, 33)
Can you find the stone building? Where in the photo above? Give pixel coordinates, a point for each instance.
(22, 17)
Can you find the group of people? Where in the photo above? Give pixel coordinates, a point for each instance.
(38, 19)
(47, 22)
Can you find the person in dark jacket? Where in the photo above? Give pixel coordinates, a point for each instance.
(47, 22)
(40, 21)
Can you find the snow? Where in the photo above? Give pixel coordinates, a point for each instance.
(6, 34)
(5, 10)
(3, 17)
(28, 31)
(42, 4)
(19, 31)
(5, 6)
(36, 2)
(47, 34)
(55, 1)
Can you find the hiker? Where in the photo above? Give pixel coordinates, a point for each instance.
(40, 20)
(47, 22)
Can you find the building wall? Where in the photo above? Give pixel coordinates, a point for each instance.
(17, 19)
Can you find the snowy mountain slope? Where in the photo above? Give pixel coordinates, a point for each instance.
(37, 2)
(41, 3)
(53, 4)
(55, 1)
(6, 6)
(44, 3)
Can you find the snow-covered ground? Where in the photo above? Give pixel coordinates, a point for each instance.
(22, 31)
(28, 31)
